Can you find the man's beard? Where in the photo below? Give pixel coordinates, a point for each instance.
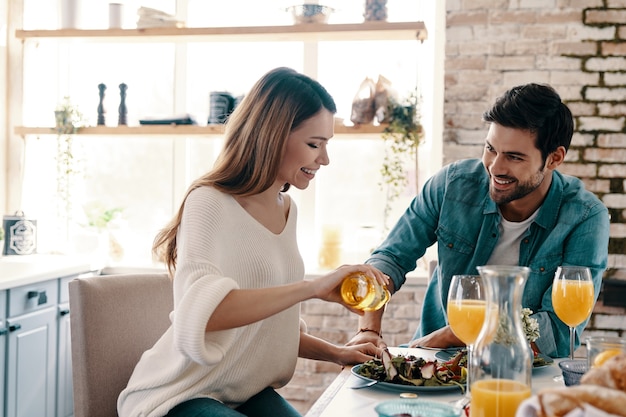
(521, 189)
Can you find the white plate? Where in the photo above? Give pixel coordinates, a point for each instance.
(446, 355)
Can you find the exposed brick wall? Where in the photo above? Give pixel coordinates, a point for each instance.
(577, 46)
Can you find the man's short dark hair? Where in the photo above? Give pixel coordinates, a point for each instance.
(536, 108)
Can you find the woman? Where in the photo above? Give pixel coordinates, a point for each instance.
(237, 272)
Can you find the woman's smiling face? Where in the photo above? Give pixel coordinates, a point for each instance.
(306, 150)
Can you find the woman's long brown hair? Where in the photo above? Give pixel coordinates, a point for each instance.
(256, 135)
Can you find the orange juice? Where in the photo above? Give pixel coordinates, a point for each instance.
(466, 318)
(572, 300)
(363, 292)
(497, 397)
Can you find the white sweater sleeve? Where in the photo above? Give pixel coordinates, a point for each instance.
(199, 284)
(191, 316)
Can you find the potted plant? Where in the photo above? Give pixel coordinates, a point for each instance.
(402, 135)
(103, 224)
(99, 216)
(67, 117)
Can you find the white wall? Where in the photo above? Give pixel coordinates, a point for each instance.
(3, 122)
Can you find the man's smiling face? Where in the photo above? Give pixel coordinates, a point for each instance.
(514, 164)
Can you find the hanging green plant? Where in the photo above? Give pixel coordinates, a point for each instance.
(402, 135)
(68, 119)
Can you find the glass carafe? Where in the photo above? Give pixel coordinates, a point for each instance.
(501, 366)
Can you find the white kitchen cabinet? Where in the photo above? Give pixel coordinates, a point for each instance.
(30, 374)
(35, 354)
(35, 339)
(3, 341)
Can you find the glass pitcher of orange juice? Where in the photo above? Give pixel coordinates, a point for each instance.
(501, 362)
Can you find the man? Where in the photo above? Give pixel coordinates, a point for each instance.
(511, 208)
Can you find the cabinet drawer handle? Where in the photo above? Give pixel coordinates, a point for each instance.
(4, 331)
(14, 327)
(41, 296)
(64, 312)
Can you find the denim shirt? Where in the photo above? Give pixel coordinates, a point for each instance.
(455, 211)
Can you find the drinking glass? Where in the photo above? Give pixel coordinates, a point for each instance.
(572, 297)
(467, 305)
(602, 348)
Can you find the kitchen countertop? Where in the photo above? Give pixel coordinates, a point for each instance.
(18, 270)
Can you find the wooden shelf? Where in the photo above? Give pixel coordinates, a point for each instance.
(180, 130)
(366, 31)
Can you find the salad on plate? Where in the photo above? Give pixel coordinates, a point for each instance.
(413, 371)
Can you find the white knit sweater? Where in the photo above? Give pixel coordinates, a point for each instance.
(220, 248)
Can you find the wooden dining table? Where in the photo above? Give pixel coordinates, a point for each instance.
(342, 399)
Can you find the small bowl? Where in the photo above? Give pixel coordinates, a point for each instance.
(310, 13)
(415, 408)
(573, 370)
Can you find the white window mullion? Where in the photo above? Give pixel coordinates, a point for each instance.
(307, 226)
(180, 148)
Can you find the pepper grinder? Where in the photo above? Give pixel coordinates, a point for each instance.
(101, 110)
(122, 109)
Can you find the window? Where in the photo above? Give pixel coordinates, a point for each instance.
(147, 175)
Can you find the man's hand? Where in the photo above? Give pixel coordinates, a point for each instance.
(367, 336)
(442, 338)
(370, 326)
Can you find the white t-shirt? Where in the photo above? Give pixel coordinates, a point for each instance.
(506, 251)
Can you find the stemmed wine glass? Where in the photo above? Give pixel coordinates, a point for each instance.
(467, 305)
(572, 297)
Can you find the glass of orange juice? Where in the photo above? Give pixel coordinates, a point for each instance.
(466, 307)
(572, 297)
(466, 310)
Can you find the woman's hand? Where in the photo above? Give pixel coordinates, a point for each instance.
(355, 354)
(312, 347)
